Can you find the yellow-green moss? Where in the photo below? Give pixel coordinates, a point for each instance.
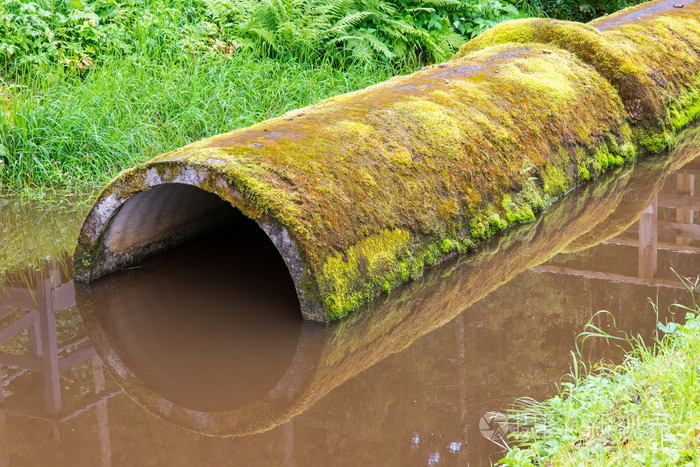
(686, 107)
(583, 173)
(631, 58)
(556, 181)
(652, 141)
(552, 84)
(377, 256)
(516, 211)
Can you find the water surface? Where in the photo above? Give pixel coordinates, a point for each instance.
(200, 357)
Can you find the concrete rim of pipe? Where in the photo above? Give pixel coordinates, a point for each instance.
(167, 204)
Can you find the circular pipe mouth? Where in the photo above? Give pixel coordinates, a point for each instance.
(143, 213)
(158, 219)
(211, 325)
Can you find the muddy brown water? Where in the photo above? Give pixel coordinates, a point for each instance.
(199, 356)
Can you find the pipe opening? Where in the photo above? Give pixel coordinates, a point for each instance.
(211, 323)
(158, 219)
(123, 229)
(165, 216)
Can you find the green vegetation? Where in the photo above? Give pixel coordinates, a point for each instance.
(88, 87)
(67, 130)
(405, 31)
(80, 34)
(573, 10)
(642, 412)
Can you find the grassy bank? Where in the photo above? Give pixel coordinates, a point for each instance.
(645, 411)
(88, 88)
(81, 131)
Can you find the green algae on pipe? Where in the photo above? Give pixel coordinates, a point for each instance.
(361, 192)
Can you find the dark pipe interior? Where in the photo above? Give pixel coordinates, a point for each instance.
(210, 324)
(157, 219)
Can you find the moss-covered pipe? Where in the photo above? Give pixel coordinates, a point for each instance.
(361, 192)
(326, 357)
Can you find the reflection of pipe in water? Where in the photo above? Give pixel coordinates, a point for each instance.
(206, 327)
(181, 341)
(627, 210)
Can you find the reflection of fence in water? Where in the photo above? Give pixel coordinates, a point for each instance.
(29, 302)
(667, 225)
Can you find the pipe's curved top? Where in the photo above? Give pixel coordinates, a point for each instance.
(362, 191)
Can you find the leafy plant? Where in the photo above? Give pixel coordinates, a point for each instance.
(573, 10)
(78, 34)
(485, 14)
(403, 31)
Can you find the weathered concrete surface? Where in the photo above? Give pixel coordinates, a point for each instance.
(327, 357)
(362, 191)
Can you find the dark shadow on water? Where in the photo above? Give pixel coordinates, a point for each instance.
(211, 324)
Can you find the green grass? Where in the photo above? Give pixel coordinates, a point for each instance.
(88, 88)
(73, 131)
(645, 411)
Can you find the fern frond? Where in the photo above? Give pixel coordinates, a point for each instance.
(377, 44)
(337, 8)
(420, 10)
(349, 21)
(453, 40)
(360, 50)
(265, 36)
